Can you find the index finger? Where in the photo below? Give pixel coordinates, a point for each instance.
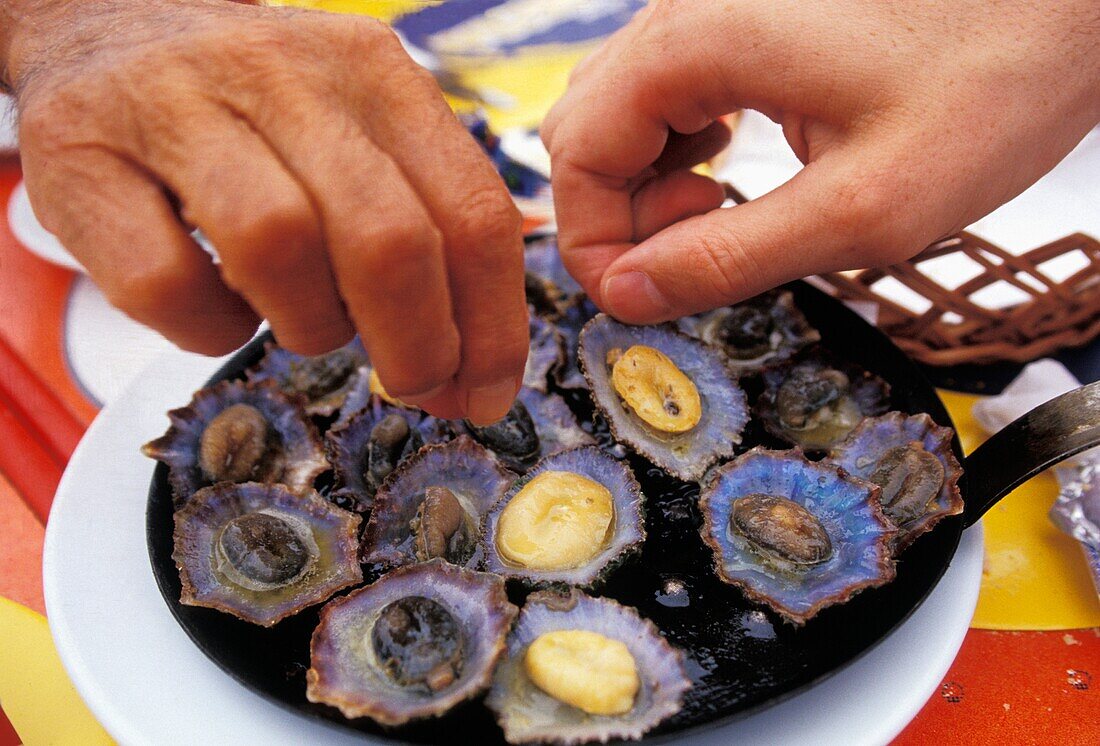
(481, 229)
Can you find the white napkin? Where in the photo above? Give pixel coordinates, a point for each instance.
(1039, 382)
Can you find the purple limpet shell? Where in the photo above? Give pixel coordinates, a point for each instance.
(334, 374)
(725, 409)
(358, 398)
(546, 352)
(629, 520)
(579, 313)
(527, 714)
(333, 534)
(542, 259)
(848, 509)
(346, 445)
(555, 423)
(789, 330)
(859, 455)
(302, 457)
(463, 466)
(344, 671)
(867, 396)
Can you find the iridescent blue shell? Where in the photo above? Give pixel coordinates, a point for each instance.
(465, 468)
(527, 714)
(755, 332)
(793, 412)
(546, 352)
(848, 509)
(345, 672)
(724, 409)
(331, 534)
(629, 520)
(861, 453)
(322, 380)
(297, 458)
(348, 443)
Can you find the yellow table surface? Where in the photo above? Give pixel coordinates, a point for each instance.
(1035, 576)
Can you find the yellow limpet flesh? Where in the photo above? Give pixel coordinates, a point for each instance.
(376, 388)
(655, 389)
(584, 669)
(557, 521)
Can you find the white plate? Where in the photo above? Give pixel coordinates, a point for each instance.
(148, 684)
(37, 240)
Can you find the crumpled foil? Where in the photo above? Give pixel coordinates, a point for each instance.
(1077, 512)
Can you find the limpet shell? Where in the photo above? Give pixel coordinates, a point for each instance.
(346, 674)
(529, 715)
(332, 532)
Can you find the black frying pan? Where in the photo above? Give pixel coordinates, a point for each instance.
(742, 658)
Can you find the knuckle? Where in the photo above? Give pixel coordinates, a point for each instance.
(866, 218)
(362, 36)
(45, 119)
(489, 220)
(487, 359)
(387, 246)
(723, 266)
(859, 208)
(146, 292)
(436, 365)
(274, 241)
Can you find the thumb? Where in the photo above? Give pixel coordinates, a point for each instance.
(832, 215)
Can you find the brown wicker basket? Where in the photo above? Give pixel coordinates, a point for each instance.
(958, 328)
(954, 327)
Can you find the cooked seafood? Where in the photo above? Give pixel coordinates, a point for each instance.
(910, 459)
(262, 552)
(664, 394)
(412, 645)
(433, 504)
(570, 520)
(581, 669)
(795, 535)
(239, 432)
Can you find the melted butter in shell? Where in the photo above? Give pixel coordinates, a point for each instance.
(584, 669)
(557, 521)
(655, 389)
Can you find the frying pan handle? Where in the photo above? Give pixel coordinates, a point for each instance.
(1048, 434)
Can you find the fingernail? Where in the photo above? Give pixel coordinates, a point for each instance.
(424, 396)
(632, 295)
(487, 404)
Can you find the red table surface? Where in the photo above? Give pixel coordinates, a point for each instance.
(1013, 687)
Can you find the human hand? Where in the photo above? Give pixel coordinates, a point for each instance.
(913, 120)
(339, 189)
